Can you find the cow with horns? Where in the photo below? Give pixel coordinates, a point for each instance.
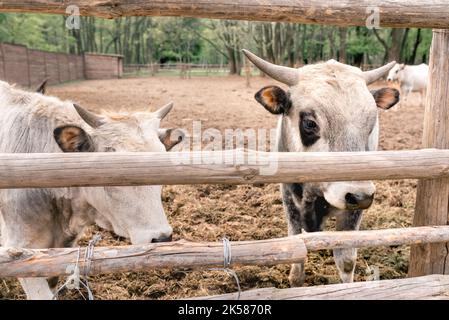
(49, 218)
(327, 108)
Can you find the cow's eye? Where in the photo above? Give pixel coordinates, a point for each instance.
(309, 130)
(309, 124)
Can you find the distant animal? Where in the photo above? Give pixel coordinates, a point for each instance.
(410, 78)
(49, 218)
(327, 107)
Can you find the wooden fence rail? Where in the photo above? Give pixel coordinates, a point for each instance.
(392, 13)
(17, 262)
(182, 254)
(39, 170)
(433, 287)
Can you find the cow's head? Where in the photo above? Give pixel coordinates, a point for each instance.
(394, 72)
(328, 108)
(134, 212)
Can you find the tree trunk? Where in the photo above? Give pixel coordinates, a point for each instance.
(268, 34)
(342, 51)
(394, 53)
(404, 52)
(232, 61)
(415, 47)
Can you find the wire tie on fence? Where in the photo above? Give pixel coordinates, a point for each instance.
(227, 259)
(88, 255)
(74, 279)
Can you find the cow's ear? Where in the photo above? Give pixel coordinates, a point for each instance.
(171, 137)
(274, 99)
(386, 97)
(73, 139)
(42, 87)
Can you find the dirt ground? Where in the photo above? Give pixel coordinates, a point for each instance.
(209, 212)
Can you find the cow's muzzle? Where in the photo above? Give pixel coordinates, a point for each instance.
(163, 239)
(358, 201)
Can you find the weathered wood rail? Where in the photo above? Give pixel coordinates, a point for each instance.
(374, 238)
(392, 13)
(419, 288)
(36, 170)
(18, 262)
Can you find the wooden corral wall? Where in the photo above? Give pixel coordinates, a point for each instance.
(102, 66)
(15, 64)
(37, 66)
(29, 67)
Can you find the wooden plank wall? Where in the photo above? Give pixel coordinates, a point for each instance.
(36, 60)
(29, 67)
(15, 64)
(98, 66)
(51, 62)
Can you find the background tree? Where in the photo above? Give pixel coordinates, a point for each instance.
(143, 40)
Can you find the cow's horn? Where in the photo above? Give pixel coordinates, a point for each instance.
(289, 76)
(163, 111)
(91, 118)
(42, 87)
(373, 75)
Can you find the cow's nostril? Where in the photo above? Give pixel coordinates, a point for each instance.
(365, 201)
(351, 199)
(163, 239)
(358, 201)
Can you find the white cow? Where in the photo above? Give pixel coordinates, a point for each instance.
(48, 218)
(327, 108)
(410, 78)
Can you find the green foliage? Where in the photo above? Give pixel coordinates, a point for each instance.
(363, 42)
(40, 31)
(161, 39)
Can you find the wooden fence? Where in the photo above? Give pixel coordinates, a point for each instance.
(18, 262)
(184, 70)
(394, 13)
(29, 67)
(429, 254)
(34, 170)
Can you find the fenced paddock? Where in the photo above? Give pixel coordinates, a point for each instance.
(427, 257)
(183, 70)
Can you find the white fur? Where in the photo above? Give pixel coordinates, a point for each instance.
(27, 123)
(410, 78)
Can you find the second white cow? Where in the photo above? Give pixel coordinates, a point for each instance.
(410, 78)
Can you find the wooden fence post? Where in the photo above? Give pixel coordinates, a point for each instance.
(433, 194)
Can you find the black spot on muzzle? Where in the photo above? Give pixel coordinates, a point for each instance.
(163, 239)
